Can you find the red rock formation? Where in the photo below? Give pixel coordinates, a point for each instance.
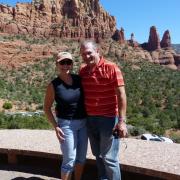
(59, 18)
(132, 41)
(115, 36)
(153, 42)
(166, 40)
(121, 36)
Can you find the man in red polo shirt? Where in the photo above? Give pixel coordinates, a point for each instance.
(105, 101)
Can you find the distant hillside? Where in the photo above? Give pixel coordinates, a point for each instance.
(176, 47)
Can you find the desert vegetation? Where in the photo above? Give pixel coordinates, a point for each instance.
(23, 122)
(153, 97)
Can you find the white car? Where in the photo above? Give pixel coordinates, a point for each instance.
(153, 137)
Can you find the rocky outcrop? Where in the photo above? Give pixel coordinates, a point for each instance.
(131, 51)
(154, 41)
(59, 18)
(116, 36)
(177, 60)
(166, 40)
(132, 41)
(163, 57)
(161, 52)
(119, 36)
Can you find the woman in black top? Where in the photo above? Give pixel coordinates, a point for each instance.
(70, 126)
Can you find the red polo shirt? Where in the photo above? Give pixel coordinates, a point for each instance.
(100, 88)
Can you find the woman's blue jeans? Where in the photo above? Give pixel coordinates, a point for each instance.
(104, 146)
(74, 147)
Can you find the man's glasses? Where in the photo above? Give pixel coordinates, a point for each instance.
(65, 61)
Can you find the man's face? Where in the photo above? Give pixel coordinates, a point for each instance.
(89, 54)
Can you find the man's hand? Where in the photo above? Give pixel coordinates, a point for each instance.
(122, 129)
(59, 134)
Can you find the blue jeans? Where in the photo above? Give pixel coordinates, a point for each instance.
(104, 146)
(74, 147)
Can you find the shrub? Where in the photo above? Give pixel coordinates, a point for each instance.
(135, 131)
(175, 138)
(23, 122)
(13, 125)
(7, 105)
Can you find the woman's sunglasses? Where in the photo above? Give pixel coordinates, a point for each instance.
(65, 61)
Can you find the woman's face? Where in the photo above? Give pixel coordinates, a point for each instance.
(64, 66)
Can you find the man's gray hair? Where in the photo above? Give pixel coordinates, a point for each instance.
(86, 42)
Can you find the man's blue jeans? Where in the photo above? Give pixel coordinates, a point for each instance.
(104, 146)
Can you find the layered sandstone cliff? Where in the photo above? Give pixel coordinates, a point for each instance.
(59, 18)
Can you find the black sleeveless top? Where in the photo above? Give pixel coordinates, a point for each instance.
(69, 98)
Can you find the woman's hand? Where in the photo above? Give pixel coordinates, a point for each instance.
(59, 134)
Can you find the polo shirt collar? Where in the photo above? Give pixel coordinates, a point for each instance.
(101, 62)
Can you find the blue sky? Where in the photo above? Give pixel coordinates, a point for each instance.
(138, 16)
